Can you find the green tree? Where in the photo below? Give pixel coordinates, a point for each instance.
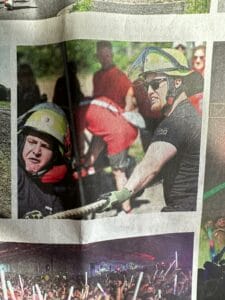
(82, 5)
(83, 53)
(197, 6)
(44, 60)
(47, 60)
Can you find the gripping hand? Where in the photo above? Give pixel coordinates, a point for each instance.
(115, 198)
(35, 214)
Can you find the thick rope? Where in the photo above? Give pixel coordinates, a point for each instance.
(80, 211)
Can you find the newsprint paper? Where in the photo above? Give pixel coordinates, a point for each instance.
(112, 149)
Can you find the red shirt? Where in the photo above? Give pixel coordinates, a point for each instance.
(113, 84)
(112, 127)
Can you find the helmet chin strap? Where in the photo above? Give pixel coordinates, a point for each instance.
(47, 167)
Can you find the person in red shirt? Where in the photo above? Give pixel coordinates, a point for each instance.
(110, 81)
(198, 65)
(104, 119)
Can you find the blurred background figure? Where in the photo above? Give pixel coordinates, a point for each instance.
(110, 81)
(28, 92)
(60, 96)
(198, 59)
(4, 93)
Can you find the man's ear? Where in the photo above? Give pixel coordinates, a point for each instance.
(177, 82)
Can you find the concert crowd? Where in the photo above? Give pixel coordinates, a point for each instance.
(156, 282)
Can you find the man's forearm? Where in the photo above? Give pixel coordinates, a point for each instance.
(141, 176)
(156, 156)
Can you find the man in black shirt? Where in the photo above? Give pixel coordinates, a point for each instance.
(175, 146)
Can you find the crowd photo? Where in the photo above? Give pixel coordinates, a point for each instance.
(101, 128)
(133, 268)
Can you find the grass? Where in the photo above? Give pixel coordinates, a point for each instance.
(4, 104)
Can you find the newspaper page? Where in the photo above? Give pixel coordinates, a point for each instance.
(112, 149)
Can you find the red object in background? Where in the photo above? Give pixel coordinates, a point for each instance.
(111, 83)
(83, 172)
(196, 101)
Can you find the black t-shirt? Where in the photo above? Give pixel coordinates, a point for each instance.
(34, 195)
(180, 175)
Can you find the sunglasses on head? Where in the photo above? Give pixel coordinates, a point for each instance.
(155, 83)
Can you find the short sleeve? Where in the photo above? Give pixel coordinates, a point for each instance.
(171, 130)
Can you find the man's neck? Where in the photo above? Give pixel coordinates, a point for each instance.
(107, 66)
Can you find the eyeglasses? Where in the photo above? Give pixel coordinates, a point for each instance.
(155, 83)
(200, 57)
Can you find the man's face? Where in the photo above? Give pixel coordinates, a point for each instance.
(37, 153)
(157, 91)
(198, 62)
(104, 55)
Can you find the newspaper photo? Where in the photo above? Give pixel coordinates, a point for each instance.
(115, 269)
(112, 149)
(154, 117)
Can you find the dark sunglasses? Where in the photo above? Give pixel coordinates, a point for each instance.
(200, 57)
(155, 83)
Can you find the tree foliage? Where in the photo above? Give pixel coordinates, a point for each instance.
(82, 5)
(197, 6)
(44, 60)
(47, 60)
